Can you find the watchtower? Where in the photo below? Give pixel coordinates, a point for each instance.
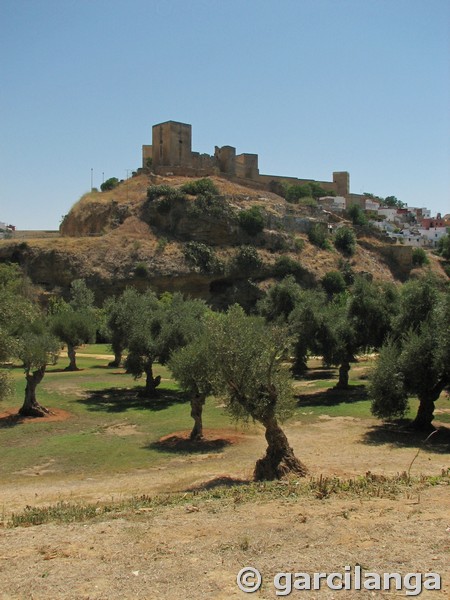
(172, 144)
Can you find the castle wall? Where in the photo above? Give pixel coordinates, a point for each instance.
(146, 154)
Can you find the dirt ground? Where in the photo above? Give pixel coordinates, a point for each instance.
(195, 551)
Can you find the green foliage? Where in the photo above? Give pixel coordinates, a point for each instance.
(387, 389)
(285, 265)
(347, 272)
(109, 184)
(189, 366)
(202, 257)
(167, 197)
(297, 192)
(417, 362)
(74, 327)
(317, 235)
(306, 325)
(280, 300)
(6, 387)
(211, 205)
(443, 246)
(333, 282)
(200, 186)
(251, 220)
(141, 270)
(345, 241)
(419, 257)
(245, 361)
(246, 261)
(417, 300)
(392, 202)
(357, 215)
(81, 297)
(38, 347)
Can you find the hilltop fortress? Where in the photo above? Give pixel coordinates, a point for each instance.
(171, 152)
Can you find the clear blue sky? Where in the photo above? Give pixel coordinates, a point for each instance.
(312, 86)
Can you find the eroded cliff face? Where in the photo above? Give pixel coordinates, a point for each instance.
(121, 238)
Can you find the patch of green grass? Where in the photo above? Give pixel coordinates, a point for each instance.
(232, 492)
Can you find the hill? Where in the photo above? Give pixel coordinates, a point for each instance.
(190, 241)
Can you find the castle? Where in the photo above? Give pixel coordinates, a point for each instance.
(171, 152)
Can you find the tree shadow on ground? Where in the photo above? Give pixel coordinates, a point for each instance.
(11, 420)
(178, 444)
(319, 373)
(399, 433)
(221, 481)
(116, 400)
(332, 396)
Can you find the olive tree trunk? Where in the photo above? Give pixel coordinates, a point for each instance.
(197, 403)
(117, 360)
(279, 459)
(425, 412)
(344, 369)
(31, 407)
(151, 383)
(71, 353)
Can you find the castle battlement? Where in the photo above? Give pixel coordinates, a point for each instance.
(171, 152)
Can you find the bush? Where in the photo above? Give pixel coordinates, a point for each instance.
(318, 237)
(109, 184)
(202, 257)
(165, 191)
(345, 241)
(246, 261)
(141, 270)
(285, 265)
(333, 283)
(444, 246)
(211, 205)
(419, 257)
(356, 214)
(200, 186)
(251, 220)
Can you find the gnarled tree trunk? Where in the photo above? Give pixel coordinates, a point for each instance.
(279, 459)
(31, 407)
(425, 412)
(344, 369)
(197, 403)
(71, 353)
(151, 383)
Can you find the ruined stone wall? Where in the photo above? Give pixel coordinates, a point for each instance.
(247, 166)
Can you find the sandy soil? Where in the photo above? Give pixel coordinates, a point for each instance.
(195, 552)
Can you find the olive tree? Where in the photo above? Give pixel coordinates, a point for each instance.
(245, 364)
(189, 367)
(75, 322)
(416, 363)
(37, 348)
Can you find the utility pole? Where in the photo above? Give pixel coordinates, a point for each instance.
(92, 179)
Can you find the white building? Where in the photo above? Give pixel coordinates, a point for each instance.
(433, 234)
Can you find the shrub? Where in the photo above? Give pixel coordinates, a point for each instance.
(109, 184)
(211, 205)
(246, 261)
(333, 283)
(202, 257)
(345, 241)
(318, 237)
(444, 246)
(165, 191)
(251, 220)
(419, 257)
(141, 270)
(285, 265)
(200, 186)
(356, 214)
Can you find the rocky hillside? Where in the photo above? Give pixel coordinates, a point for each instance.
(222, 243)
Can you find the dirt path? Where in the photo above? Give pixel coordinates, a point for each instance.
(195, 553)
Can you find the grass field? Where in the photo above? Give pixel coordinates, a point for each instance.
(110, 429)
